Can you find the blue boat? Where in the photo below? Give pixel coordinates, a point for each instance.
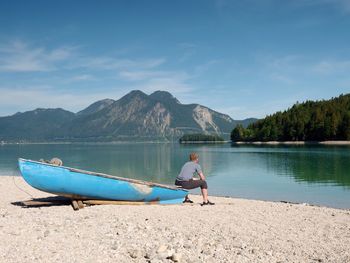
(83, 185)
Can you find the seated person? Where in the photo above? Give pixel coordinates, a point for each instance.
(185, 179)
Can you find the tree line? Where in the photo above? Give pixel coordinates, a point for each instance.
(201, 138)
(308, 121)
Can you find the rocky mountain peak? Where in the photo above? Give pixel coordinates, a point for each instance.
(163, 96)
(134, 94)
(95, 107)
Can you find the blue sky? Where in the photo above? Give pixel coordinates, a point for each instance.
(246, 58)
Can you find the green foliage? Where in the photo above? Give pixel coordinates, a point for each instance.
(198, 137)
(310, 121)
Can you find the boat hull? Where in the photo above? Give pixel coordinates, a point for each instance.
(80, 184)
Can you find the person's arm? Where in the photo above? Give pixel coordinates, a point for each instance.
(199, 172)
(201, 176)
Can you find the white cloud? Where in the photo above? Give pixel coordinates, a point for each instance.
(69, 65)
(342, 6)
(83, 77)
(332, 66)
(283, 62)
(175, 82)
(140, 75)
(284, 70)
(263, 109)
(20, 57)
(108, 63)
(29, 98)
(173, 85)
(279, 77)
(188, 50)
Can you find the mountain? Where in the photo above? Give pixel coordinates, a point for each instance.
(135, 116)
(138, 115)
(95, 107)
(39, 124)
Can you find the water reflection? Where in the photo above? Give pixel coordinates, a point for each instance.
(153, 162)
(302, 174)
(330, 166)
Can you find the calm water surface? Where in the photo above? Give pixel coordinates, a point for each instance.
(308, 174)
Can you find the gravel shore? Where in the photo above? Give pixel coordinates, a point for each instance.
(234, 230)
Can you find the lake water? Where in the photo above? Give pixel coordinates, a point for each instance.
(317, 175)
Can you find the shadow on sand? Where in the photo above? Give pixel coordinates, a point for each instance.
(45, 201)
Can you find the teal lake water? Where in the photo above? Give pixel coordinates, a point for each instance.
(317, 175)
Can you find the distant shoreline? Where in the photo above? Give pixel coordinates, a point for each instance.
(293, 143)
(204, 142)
(82, 142)
(194, 142)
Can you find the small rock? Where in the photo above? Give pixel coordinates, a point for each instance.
(187, 245)
(170, 252)
(162, 248)
(176, 257)
(208, 252)
(46, 233)
(114, 247)
(135, 253)
(148, 255)
(162, 255)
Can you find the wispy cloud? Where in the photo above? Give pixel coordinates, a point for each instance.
(342, 6)
(18, 56)
(74, 77)
(141, 75)
(174, 85)
(332, 66)
(282, 69)
(175, 82)
(263, 109)
(83, 77)
(188, 50)
(14, 99)
(108, 63)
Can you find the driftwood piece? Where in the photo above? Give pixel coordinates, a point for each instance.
(36, 203)
(113, 202)
(75, 205)
(80, 204)
(45, 201)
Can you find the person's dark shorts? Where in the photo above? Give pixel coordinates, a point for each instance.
(191, 184)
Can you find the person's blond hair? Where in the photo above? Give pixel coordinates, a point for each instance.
(193, 156)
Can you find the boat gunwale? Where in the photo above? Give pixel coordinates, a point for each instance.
(135, 181)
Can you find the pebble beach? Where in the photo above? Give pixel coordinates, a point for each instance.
(233, 230)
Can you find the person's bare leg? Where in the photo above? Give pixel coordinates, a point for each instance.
(205, 195)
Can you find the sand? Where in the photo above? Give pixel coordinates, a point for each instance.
(234, 230)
